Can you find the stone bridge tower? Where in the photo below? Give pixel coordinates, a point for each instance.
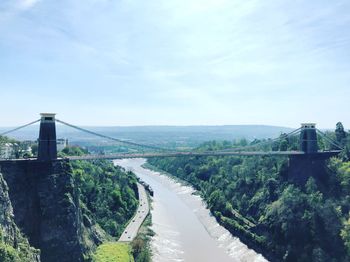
(308, 138)
(310, 164)
(47, 138)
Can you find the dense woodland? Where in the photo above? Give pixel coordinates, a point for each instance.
(108, 195)
(253, 198)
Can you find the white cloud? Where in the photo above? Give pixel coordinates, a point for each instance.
(26, 4)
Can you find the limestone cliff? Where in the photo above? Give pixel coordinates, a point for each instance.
(46, 207)
(13, 246)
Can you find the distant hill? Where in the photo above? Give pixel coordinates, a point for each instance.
(160, 135)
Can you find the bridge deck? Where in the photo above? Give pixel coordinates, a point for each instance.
(189, 154)
(186, 154)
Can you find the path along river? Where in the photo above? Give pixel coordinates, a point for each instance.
(184, 228)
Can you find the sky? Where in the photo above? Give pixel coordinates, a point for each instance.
(175, 62)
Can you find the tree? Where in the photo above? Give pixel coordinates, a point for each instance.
(340, 133)
(283, 145)
(343, 173)
(345, 234)
(8, 253)
(35, 149)
(216, 200)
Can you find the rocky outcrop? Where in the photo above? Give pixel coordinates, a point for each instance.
(13, 246)
(46, 207)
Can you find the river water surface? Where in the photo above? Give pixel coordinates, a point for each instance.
(184, 228)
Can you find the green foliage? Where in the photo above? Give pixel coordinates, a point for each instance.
(113, 252)
(73, 151)
(140, 246)
(344, 174)
(14, 247)
(107, 193)
(140, 251)
(22, 252)
(8, 253)
(340, 134)
(345, 234)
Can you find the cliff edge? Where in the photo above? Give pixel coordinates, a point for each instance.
(46, 208)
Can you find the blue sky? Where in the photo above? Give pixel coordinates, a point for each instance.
(175, 62)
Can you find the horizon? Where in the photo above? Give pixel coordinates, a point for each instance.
(184, 125)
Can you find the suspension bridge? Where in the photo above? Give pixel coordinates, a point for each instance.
(47, 148)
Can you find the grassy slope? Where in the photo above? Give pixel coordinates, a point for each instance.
(114, 252)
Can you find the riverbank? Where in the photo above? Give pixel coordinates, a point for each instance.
(141, 248)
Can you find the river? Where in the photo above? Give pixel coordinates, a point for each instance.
(184, 228)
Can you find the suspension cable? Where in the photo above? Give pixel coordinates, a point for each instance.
(18, 128)
(330, 140)
(112, 138)
(282, 136)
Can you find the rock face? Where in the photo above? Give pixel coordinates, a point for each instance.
(46, 207)
(10, 234)
(302, 167)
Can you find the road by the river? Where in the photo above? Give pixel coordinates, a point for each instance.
(131, 230)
